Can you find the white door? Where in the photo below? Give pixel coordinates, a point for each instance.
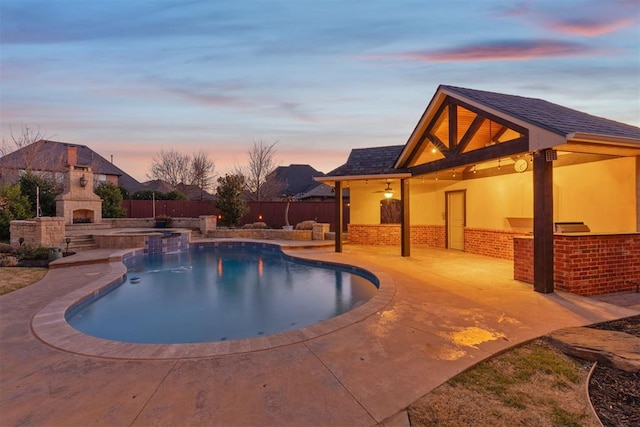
(455, 220)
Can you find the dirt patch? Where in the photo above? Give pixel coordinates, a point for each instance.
(615, 394)
(533, 384)
(12, 278)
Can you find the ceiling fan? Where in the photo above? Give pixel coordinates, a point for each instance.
(388, 191)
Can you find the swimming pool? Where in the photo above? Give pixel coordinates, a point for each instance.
(219, 293)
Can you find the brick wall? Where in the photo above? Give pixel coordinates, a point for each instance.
(523, 259)
(389, 234)
(586, 265)
(493, 243)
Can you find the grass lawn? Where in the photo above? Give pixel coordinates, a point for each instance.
(12, 278)
(530, 385)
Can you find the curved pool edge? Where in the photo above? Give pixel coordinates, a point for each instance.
(50, 326)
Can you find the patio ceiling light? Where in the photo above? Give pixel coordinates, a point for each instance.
(388, 192)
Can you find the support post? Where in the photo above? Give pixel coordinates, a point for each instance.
(405, 223)
(339, 216)
(543, 222)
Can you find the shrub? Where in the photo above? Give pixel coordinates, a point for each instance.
(28, 252)
(34, 186)
(305, 225)
(8, 261)
(13, 205)
(255, 225)
(6, 248)
(111, 200)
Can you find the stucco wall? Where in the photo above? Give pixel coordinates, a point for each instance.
(602, 194)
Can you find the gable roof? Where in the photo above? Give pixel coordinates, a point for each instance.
(370, 161)
(52, 156)
(297, 178)
(553, 117)
(543, 125)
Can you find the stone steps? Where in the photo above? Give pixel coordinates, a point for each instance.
(82, 242)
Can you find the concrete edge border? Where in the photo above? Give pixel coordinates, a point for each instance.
(593, 410)
(50, 326)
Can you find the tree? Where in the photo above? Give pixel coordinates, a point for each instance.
(35, 187)
(229, 198)
(158, 195)
(26, 137)
(258, 171)
(177, 168)
(111, 200)
(13, 205)
(203, 170)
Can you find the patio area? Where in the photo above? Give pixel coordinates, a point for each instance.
(447, 310)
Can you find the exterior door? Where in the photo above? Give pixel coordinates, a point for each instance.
(455, 219)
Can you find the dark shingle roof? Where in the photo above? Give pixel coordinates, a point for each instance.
(553, 117)
(370, 161)
(44, 155)
(297, 178)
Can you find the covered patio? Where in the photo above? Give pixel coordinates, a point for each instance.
(485, 173)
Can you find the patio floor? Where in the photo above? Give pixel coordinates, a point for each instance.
(448, 310)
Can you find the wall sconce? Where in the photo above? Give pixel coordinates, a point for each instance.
(259, 217)
(83, 181)
(388, 192)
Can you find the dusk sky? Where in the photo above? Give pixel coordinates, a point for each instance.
(131, 77)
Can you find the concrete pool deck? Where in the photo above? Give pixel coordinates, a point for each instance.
(448, 311)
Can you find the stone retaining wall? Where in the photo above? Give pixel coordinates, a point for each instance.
(43, 231)
(262, 234)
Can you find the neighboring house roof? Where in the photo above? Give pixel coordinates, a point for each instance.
(553, 117)
(297, 179)
(51, 156)
(319, 191)
(158, 185)
(193, 192)
(370, 161)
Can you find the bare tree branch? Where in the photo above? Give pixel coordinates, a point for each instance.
(170, 166)
(261, 164)
(177, 168)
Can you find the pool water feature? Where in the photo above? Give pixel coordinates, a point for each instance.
(221, 293)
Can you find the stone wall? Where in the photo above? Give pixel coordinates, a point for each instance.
(263, 234)
(43, 231)
(586, 264)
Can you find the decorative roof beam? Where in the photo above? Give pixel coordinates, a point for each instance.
(492, 152)
(471, 132)
(453, 126)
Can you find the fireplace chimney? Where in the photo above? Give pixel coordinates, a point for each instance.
(72, 155)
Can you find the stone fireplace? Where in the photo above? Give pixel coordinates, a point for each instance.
(78, 203)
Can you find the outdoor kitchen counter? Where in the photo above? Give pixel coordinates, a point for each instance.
(585, 263)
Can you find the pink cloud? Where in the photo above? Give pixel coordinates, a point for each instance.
(590, 28)
(500, 51)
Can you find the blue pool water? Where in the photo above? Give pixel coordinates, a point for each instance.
(218, 294)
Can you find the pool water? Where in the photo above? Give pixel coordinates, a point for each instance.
(221, 294)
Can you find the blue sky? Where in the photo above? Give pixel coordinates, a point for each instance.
(131, 77)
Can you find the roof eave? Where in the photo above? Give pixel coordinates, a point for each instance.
(332, 179)
(602, 139)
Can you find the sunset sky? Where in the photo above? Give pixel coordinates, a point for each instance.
(131, 77)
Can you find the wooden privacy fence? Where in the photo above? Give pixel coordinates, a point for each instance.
(271, 213)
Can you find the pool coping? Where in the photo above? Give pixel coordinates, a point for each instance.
(50, 326)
